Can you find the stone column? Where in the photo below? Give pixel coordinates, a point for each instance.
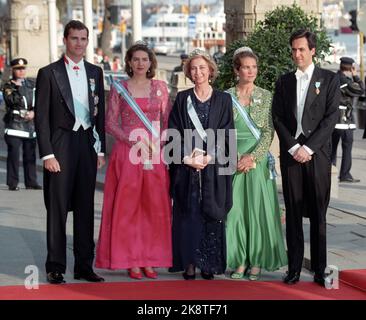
(242, 15)
(88, 21)
(52, 26)
(136, 20)
(28, 31)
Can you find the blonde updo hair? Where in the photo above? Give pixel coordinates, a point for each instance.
(198, 53)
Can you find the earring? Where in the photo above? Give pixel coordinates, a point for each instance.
(237, 78)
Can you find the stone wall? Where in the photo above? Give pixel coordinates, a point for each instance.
(241, 15)
(28, 32)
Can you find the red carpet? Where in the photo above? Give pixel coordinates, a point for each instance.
(354, 278)
(183, 290)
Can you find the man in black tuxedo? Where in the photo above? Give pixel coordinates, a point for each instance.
(305, 111)
(70, 130)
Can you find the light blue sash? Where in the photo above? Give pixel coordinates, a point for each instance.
(256, 133)
(134, 106)
(194, 118)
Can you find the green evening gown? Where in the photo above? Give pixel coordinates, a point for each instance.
(253, 232)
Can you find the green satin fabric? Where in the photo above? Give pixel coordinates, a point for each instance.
(253, 230)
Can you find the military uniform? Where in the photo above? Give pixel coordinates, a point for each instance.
(351, 88)
(19, 131)
(183, 58)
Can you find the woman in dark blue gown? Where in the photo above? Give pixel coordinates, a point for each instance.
(200, 188)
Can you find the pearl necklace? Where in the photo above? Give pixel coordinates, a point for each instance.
(206, 97)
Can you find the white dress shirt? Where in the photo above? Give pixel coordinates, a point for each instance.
(79, 88)
(302, 85)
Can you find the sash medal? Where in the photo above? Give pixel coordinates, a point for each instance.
(95, 97)
(97, 144)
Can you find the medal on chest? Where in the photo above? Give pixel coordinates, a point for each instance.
(95, 97)
(317, 86)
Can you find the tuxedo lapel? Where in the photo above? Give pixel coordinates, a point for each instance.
(291, 92)
(312, 92)
(91, 75)
(63, 84)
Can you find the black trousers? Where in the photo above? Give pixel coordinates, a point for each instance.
(347, 141)
(29, 161)
(306, 189)
(72, 189)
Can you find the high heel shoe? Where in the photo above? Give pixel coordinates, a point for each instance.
(187, 276)
(134, 275)
(239, 275)
(207, 275)
(255, 276)
(150, 274)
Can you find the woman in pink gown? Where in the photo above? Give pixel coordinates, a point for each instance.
(135, 231)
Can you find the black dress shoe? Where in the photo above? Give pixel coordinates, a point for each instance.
(88, 276)
(55, 277)
(320, 279)
(187, 276)
(292, 277)
(36, 187)
(14, 188)
(351, 180)
(207, 275)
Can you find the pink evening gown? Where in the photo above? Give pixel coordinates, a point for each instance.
(135, 229)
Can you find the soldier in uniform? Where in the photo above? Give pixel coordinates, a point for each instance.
(351, 88)
(183, 60)
(19, 126)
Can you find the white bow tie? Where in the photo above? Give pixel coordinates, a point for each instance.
(299, 74)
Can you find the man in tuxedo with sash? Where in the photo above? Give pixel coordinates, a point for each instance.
(70, 130)
(305, 111)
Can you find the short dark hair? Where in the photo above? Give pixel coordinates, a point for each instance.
(303, 33)
(345, 67)
(141, 47)
(75, 24)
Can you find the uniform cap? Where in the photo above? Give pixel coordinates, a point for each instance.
(347, 60)
(18, 63)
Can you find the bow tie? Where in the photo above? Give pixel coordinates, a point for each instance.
(299, 74)
(75, 68)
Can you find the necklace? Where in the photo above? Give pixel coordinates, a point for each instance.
(246, 96)
(205, 97)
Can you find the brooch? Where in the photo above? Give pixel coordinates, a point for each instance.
(158, 93)
(317, 86)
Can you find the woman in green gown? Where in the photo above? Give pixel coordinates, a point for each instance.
(254, 232)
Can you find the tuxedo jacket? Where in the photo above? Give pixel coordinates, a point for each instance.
(320, 111)
(54, 106)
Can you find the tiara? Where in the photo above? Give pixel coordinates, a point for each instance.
(140, 43)
(242, 49)
(199, 52)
